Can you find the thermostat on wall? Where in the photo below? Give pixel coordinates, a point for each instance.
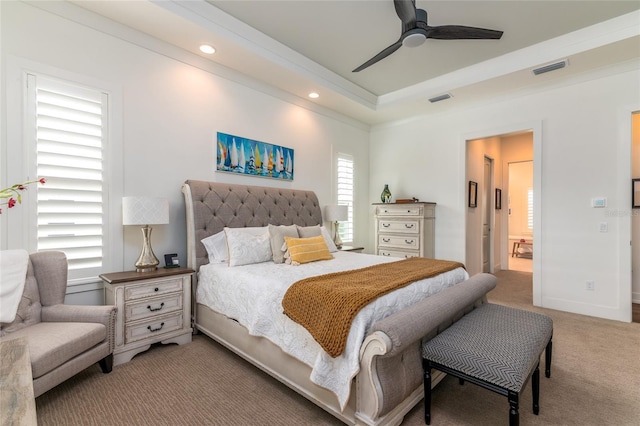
(599, 202)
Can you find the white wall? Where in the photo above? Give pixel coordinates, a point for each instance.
(584, 153)
(170, 114)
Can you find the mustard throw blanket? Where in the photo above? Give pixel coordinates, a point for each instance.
(326, 304)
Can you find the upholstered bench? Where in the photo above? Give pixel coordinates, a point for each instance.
(493, 346)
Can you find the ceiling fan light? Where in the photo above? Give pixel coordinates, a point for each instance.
(414, 40)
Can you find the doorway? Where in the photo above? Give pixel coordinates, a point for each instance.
(520, 216)
(635, 220)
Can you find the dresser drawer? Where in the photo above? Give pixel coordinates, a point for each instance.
(398, 253)
(153, 307)
(152, 289)
(399, 226)
(153, 327)
(395, 241)
(409, 210)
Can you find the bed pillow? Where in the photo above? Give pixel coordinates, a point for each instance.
(313, 231)
(305, 250)
(277, 234)
(216, 246)
(246, 248)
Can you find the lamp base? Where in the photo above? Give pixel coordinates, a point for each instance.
(147, 261)
(336, 236)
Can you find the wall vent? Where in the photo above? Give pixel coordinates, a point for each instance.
(550, 67)
(440, 98)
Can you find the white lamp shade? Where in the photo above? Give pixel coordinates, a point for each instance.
(145, 211)
(335, 213)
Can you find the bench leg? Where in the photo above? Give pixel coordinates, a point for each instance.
(535, 386)
(547, 359)
(426, 366)
(514, 416)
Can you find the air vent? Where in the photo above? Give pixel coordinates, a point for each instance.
(550, 67)
(440, 98)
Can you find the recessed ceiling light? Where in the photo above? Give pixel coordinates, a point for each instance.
(313, 95)
(205, 48)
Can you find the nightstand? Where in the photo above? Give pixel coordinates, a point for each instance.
(351, 249)
(152, 307)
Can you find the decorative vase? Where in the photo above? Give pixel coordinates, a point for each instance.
(386, 194)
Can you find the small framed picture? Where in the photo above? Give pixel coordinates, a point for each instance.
(473, 194)
(498, 198)
(635, 193)
(171, 260)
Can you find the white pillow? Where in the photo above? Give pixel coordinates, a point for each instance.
(246, 248)
(216, 246)
(313, 231)
(327, 238)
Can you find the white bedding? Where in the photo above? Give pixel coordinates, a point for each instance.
(252, 295)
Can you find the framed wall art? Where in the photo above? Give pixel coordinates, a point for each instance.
(635, 193)
(473, 194)
(498, 198)
(235, 154)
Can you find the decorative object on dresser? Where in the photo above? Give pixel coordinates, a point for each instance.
(152, 307)
(385, 197)
(405, 230)
(335, 214)
(145, 211)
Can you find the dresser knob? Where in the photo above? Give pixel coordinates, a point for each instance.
(156, 289)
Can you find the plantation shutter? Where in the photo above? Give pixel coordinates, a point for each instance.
(70, 126)
(345, 194)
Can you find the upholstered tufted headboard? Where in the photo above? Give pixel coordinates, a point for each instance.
(210, 206)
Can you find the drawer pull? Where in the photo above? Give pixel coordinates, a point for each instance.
(155, 329)
(155, 309)
(408, 241)
(409, 225)
(386, 254)
(386, 240)
(386, 225)
(156, 289)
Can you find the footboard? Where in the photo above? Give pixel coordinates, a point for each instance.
(390, 380)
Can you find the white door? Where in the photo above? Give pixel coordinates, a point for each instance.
(486, 208)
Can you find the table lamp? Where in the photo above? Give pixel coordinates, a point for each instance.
(145, 211)
(335, 214)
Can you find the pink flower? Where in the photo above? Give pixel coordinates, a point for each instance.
(11, 202)
(14, 191)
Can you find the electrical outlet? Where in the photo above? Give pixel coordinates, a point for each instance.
(604, 227)
(590, 285)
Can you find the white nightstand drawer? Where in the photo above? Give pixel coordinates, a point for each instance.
(404, 226)
(395, 210)
(403, 242)
(155, 288)
(153, 307)
(397, 253)
(153, 328)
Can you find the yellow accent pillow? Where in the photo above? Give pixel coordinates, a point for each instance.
(305, 250)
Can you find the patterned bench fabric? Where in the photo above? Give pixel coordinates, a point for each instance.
(493, 343)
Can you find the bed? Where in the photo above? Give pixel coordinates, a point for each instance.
(380, 378)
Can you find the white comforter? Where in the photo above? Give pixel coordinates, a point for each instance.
(252, 295)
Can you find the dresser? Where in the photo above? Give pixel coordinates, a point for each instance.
(152, 307)
(405, 230)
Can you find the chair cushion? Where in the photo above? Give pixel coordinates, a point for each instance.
(51, 344)
(494, 343)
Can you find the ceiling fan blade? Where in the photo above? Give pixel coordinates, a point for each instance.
(406, 10)
(459, 32)
(386, 52)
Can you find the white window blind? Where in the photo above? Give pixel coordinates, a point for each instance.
(70, 135)
(345, 194)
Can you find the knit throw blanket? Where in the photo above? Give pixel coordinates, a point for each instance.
(327, 304)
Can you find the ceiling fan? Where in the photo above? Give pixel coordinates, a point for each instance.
(415, 31)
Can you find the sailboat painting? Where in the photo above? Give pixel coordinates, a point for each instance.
(235, 154)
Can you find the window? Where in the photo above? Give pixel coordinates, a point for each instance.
(345, 194)
(69, 125)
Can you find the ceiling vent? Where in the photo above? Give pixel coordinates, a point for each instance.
(440, 98)
(550, 67)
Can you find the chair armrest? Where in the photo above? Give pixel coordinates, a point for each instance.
(420, 320)
(103, 314)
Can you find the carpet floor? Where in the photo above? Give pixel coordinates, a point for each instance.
(595, 380)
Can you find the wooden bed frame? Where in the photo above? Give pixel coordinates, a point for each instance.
(389, 383)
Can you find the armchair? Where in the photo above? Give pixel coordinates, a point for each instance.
(62, 339)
